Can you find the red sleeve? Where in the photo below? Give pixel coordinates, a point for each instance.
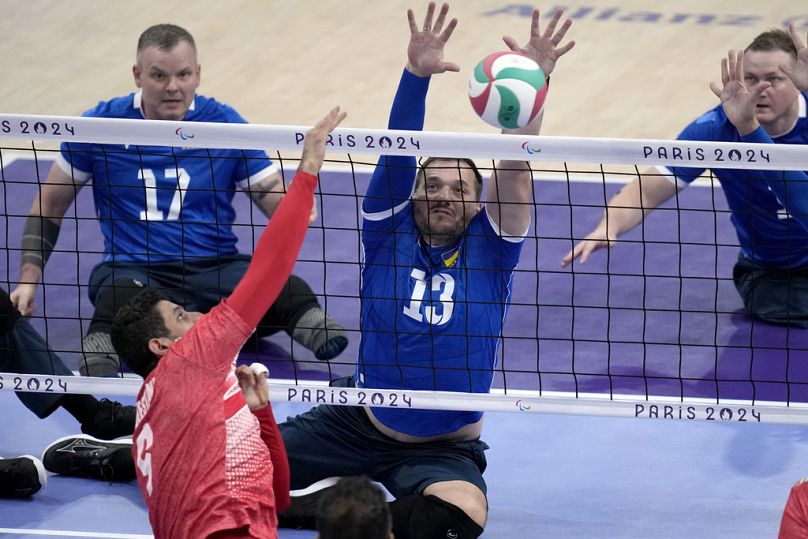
(794, 523)
(276, 252)
(277, 454)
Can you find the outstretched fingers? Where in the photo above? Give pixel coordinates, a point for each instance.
(449, 30)
(430, 11)
(331, 120)
(444, 9)
(411, 21)
(792, 31)
(551, 27)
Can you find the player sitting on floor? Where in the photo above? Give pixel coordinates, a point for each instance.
(760, 103)
(209, 458)
(166, 214)
(436, 282)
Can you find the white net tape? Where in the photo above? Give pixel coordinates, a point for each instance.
(418, 143)
(595, 404)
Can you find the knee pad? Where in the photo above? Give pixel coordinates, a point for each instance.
(428, 517)
(8, 313)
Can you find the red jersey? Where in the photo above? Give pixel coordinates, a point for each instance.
(201, 463)
(795, 516)
(202, 459)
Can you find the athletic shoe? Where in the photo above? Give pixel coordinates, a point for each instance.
(21, 477)
(85, 456)
(99, 357)
(321, 334)
(305, 503)
(112, 420)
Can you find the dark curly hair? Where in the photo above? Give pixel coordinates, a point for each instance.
(134, 326)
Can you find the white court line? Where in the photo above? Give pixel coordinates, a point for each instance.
(64, 533)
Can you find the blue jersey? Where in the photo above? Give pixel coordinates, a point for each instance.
(157, 203)
(768, 232)
(431, 318)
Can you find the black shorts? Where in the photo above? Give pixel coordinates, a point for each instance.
(773, 295)
(330, 441)
(196, 284)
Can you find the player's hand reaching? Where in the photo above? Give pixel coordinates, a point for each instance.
(799, 72)
(597, 239)
(425, 51)
(253, 383)
(544, 48)
(739, 102)
(314, 146)
(23, 298)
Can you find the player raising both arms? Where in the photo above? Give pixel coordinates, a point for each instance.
(436, 284)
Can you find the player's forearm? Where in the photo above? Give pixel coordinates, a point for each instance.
(625, 210)
(276, 252)
(39, 237)
(409, 104)
(393, 177)
(268, 202)
(271, 436)
(531, 129)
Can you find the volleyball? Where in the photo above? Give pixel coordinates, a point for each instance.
(507, 90)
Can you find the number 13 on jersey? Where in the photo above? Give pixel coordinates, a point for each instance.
(440, 282)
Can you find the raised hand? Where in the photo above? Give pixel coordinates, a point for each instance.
(544, 48)
(314, 144)
(799, 72)
(739, 102)
(425, 51)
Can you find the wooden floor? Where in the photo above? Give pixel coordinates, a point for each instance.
(639, 70)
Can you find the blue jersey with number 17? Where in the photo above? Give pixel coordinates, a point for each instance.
(158, 203)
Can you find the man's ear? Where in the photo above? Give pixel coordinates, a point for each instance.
(137, 73)
(159, 346)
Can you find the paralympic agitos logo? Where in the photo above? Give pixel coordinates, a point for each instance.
(522, 405)
(530, 149)
(183, 135)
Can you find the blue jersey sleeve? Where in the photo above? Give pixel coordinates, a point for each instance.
(77, 155)
(394, 176)
(253, 165)
(703, 128)
(790, 186)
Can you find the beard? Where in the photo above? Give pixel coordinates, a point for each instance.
(439, 228)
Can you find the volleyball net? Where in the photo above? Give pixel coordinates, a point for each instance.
(651, 328)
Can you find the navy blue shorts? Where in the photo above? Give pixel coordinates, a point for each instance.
(197, 285)
(23, 350)
(330, 441)
(773, 295)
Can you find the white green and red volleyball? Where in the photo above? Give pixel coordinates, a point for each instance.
(507, 90)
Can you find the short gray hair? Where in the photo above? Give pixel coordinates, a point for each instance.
(164, 37)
